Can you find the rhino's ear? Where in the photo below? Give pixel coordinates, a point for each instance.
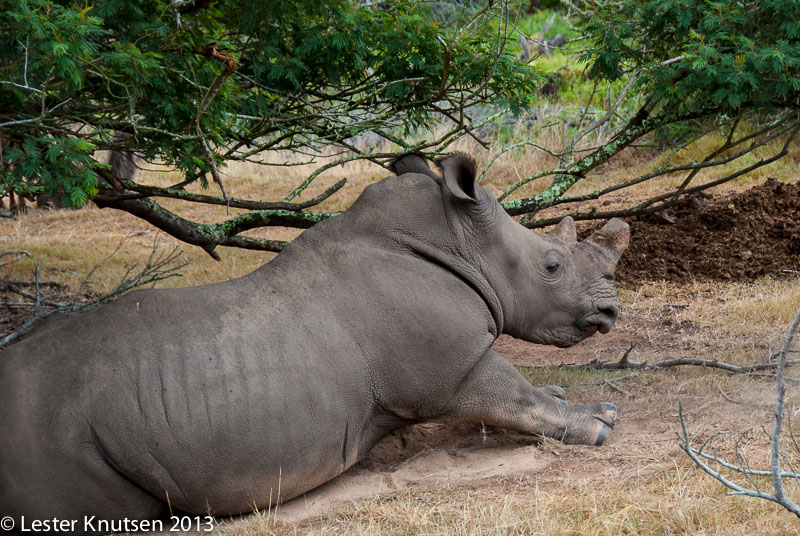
(564, 232)
(459, 171)
(612, 239)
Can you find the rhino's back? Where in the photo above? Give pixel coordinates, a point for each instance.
(224, 388)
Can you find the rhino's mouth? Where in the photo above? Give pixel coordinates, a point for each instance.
(584, 329)
(594, 323)
(589, 330)
(570, 337)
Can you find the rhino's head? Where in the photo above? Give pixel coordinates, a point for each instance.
(569, 293)
(544, 288)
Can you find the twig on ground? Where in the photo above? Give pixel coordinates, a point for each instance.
(776, 354)
(19, 283)
(776, 472)
(19, 252)
(624, 363)
(617, 388)
(625, 377)
(34, 296)
(641, 366)
(38, 303)
(787, 378)
(726, 397)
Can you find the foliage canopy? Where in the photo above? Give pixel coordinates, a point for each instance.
(702, 55)
(196, 84)
(695, 65)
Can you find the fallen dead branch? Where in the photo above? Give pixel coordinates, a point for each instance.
(160, 265)
(776, 454)
(20, 253)
(617, 388)
(624, 363)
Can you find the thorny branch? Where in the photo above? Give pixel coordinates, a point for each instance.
(210, 235)
(212, 51)
(576, 161)
(180, 193)
(321, 120)
(314, 122)
(666, 200)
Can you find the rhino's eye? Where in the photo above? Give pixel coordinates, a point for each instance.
(553, 267)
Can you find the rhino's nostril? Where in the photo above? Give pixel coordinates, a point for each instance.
(602, 318)
(610, 311)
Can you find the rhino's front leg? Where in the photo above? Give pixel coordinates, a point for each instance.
(495, 393)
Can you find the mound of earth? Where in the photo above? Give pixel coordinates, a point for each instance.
(739, 236)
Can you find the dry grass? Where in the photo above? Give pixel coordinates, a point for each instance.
(746, 317)
(679, 499)
(68, 244)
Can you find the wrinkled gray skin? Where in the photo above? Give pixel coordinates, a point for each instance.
(217, 396)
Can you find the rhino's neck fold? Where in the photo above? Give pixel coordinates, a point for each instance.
(463, 270)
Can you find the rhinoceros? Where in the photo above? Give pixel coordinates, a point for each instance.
(238, 395)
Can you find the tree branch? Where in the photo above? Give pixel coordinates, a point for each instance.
(180, 193)
(209, 236)
(670, 198)
(624, 364)
(776, 431)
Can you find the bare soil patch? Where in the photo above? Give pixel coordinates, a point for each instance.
(739, 236)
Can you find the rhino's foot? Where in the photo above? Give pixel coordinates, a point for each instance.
(591, 425)
(606, 422)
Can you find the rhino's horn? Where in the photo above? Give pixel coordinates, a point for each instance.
(411, 163)
(564, 232)
(612, 239)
